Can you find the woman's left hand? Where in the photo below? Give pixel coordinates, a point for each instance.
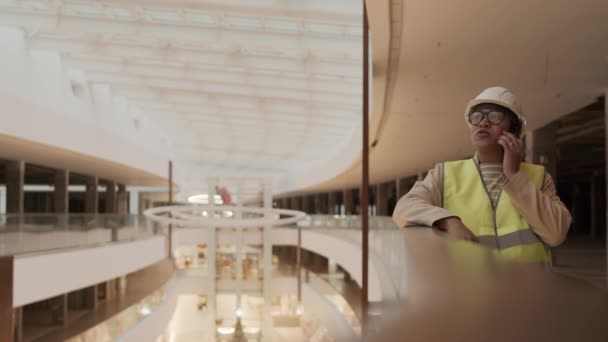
(513, 153)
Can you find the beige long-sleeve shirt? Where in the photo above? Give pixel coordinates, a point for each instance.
(542, 209)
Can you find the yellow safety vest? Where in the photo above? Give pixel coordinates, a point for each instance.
(499, 228)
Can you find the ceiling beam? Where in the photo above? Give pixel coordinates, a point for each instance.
(264, 132)
(245, 38)
(162, 91)
(196, 44)
(171, 106)
(306, 60)
(344, 11)
(296, 90)
(184, 113)
(247, 118)
(265, 125)
(184, 136)
(204, 89)
(304, 83)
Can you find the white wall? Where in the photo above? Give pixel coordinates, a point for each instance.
(41, 276)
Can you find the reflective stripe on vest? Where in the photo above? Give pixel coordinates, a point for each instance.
(500, 228)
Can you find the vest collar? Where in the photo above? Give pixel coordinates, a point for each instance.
(475, 158)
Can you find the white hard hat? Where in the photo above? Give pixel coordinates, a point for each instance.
(500, 96)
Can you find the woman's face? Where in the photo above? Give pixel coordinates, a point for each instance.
(485, 134)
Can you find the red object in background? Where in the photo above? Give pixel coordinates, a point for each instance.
(225, 195)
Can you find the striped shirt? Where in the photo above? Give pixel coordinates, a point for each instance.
(493, 179)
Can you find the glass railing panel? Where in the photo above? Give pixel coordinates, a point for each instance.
(386, 247)
(115, 327)
(35, 233)
(335, 297)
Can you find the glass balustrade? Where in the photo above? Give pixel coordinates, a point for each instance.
(37, 233)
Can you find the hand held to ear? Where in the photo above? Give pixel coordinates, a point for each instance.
(513, 150)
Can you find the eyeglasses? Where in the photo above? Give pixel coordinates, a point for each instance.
(494, 117)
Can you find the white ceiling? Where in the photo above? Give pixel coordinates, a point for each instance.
(240, 87)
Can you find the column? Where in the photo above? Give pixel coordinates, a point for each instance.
(349, 202)
(401, 188)
(6, 298)
(305, 205)
(405, 184)
(593, 202)
(267, 260)
(92, 196)
(332, 266)
(2, 199)
(90, 297)
(102, 292)
(122, 285)
(59, 309)
(76, 300)
(381, 199)
(345, 201)
(317, 204)
(110, 289)
(133, 202)
(323, 206)
(61, 195)
(239, 255)
(212, 246)
(18, 324)
(15, 179)
(397, 189)
(331, 203)
(606, 171)
(122, 200)
(111, 197)
(288, 203)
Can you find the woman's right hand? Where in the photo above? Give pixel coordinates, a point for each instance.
(456, 229)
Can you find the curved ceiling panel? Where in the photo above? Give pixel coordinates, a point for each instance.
(552, 54)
